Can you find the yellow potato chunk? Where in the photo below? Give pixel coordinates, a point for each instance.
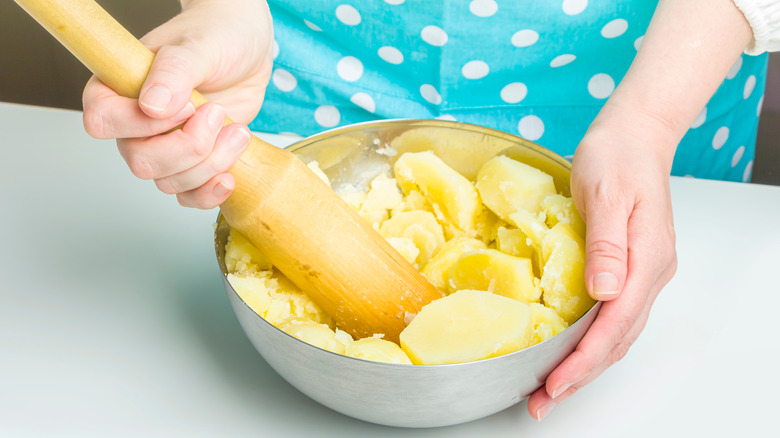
(241, 257)
(451, 195)
(514, 242)
(406, 247)
(435, 271)
(559, 208)
(319, 335)
(530, 224)
(275, 298)
(507, 186)
(383, 196)
(546, 323)
(419, 226)
(377, 350)
(494, 271)
(413, 200)
(465, 326)
(563, 282)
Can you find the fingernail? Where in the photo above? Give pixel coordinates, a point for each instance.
(216, 116)
(605, 283)
(544, 410)
(560, 390)
(239, 139)
(222, 189)
(157, 98)
(185, 113)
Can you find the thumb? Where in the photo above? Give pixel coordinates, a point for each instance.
(606, 251)
(175, 72)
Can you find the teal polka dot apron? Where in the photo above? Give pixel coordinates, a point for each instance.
(541, 70)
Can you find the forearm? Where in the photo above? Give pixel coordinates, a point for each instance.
(685, 55)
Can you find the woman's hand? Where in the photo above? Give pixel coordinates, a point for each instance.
(620, 184)
(223, 49)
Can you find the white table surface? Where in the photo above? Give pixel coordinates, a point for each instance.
(114, 321)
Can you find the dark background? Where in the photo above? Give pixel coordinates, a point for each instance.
(36, 70)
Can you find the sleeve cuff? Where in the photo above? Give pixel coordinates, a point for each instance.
(764, 18)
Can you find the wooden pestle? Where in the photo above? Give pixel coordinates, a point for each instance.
(310, 234)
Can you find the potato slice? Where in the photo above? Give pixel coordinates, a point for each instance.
(383, 196)
(546, 323)
(452, 196)
(377, 350)
(465, 326)
(559, 208)
(507, 186)
(563, 281)
(241, 257)
(435, 270)
(494, 271)
(319, 335)
(419, 226)
(514, 242)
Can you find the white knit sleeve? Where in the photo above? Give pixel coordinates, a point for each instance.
(764, 18)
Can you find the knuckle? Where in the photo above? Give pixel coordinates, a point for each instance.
(619, 351)
(173, 60)
(199, 149)
(95, 124)
(141, 167)
(167, 186)
(606, 249)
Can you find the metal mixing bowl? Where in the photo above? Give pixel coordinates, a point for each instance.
(409, 395)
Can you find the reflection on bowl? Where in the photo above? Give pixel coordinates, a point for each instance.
(409, 395)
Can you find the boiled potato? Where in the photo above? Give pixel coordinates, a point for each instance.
(562, 282)
(559, 208)
(419, 226)
(465, 326)
(507, 186)
(494, 271)
(241, 257)
(435, 271)
(406, 247)
(377, 350)
(546, 323)
(451, 195)
(319, 335)
(383, 196)
(514, 242)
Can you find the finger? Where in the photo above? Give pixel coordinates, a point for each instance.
(230, 143)
(108, 115)
(175, 72)
(209, 195)
(165, 155)
(540, 403)
(606, 249)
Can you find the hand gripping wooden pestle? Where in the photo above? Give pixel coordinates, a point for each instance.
(310, 234)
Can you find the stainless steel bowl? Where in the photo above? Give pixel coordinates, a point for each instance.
(409, 395)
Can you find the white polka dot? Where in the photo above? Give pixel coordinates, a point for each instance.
(364, 101)
(276, 49)
(349, 68)
(448, 117)
(391, 55)
(430, 94)
(574, 7)
(720, 138)
(434, 36)
(531, 128)
(750, 84)
(748, 172)
(601, 86)
(284, 80)
(394, 2)
(525, 38)
(689, 176)
(348, 15)
(734, 69)
(760, 106)
(638, 42)
(514, 92)
(614, 28)
(312, 26)
(562, 60)
(327, 116)
(737, 156)
(483, 8)
(475, 70)
(700, 119)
